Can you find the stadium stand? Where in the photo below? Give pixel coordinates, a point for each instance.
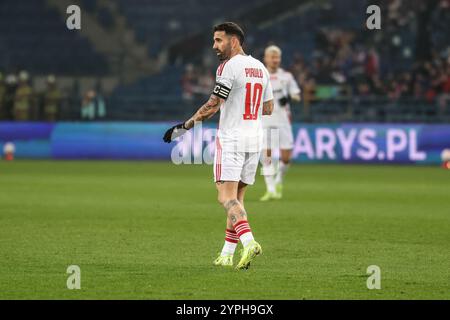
(346, 72)
(33, 37)
(161, 22)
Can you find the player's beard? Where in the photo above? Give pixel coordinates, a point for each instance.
(225, 54)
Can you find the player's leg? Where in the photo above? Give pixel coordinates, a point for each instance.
(283, 166)
(228, 198)
(242, 187)
(234, 166)
(225, 168)
(231, 238)
(241, 225)
(286, 146)
(268, 172)
(267, 168)
(285, 157)
(231, 235)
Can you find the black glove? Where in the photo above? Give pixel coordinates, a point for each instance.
(174, 132)
(284, 101)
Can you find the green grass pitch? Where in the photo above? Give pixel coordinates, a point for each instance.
(150, 230)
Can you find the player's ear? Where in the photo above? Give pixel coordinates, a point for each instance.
(234, 42)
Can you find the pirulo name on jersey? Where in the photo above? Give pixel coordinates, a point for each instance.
(253, 73)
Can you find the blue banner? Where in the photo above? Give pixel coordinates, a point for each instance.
(377, 143)
(331, 143)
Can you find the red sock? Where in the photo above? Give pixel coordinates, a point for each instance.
(244, 232)
(231, 236)
(231, 241)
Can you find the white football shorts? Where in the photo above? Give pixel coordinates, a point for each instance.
(235, 165)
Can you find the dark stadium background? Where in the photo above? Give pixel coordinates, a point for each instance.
(110, 90)
(138, 61)
(152, 60)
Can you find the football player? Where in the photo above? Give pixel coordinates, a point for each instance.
(243, 94)
(277, 126)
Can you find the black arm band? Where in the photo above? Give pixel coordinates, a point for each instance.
(221, 91)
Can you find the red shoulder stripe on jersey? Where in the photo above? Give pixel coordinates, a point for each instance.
(220, 69)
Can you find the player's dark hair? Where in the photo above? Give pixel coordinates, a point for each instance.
(231, 28)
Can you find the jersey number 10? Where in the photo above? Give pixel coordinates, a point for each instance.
(252, 102)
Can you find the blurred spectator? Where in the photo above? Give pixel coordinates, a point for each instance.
(196, 82)
(93, 106)
(23, 98)
(205, 83)
(188, 82)
(11, 86)
(99, 101)
(372, 63)
(88, 106)
(101, 106)
(309, 91)
(52, 99)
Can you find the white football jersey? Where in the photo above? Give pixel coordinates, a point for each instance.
(244, 83)
(283, 84)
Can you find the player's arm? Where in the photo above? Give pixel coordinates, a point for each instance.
(287, 99)
(205, 112)
(293, 92)
(267, 108)
(268, 97)
(219, 95)
(224, 83)
(295, 97)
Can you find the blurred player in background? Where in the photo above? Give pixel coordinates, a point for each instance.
(243, 93)
(277, 127)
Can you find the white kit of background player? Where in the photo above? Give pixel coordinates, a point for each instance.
(277, 127)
